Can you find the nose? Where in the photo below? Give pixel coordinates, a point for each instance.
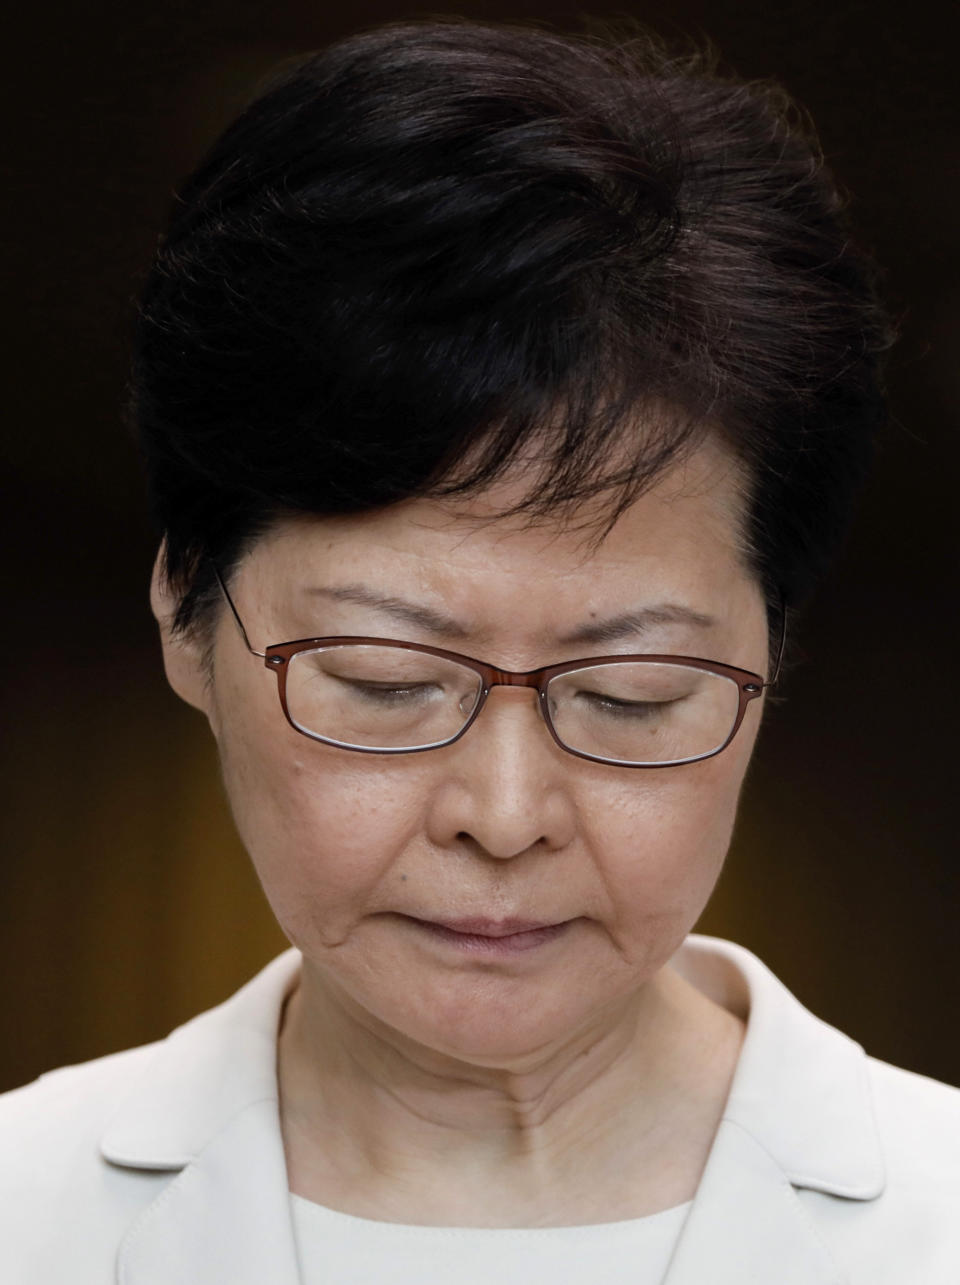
(506, 787)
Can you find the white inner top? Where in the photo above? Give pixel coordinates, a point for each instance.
(340, 1249)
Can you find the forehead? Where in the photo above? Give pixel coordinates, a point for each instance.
(682, 539)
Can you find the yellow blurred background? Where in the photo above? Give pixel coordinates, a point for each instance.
(127, 902)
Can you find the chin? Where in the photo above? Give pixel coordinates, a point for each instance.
(489, 1029)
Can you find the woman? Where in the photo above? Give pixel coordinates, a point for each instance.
(501, 392)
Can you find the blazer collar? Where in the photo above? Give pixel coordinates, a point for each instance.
(799, 1114)
(203, 1075)
(207, 1105)
(801, 1087)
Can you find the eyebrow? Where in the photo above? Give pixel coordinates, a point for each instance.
(411, 613)
(624, 625)
(628, 623)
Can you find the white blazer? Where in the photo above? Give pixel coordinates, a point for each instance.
(164, 1165)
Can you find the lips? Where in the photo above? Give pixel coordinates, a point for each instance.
(491, 939)
(480, 926)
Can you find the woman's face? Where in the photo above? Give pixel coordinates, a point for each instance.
(354, 849)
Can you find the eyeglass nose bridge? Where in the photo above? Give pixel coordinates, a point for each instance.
(532, 679)
(493, 677)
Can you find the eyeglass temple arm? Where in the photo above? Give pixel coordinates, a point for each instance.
(236, 614)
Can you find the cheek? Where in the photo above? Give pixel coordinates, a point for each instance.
(660, 845)
(323, 829)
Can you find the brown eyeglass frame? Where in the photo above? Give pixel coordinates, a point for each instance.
(278, 656)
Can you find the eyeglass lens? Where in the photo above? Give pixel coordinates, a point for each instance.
(387, 698)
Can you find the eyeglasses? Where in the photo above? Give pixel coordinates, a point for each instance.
(383, 696)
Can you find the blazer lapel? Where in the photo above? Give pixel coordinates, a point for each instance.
(225, 1219)
(206, 1111)
(746, 1225)
(799, 1115)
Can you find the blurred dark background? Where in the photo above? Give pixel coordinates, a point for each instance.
(127, 902)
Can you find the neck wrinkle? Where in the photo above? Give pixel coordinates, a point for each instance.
(336, 1068)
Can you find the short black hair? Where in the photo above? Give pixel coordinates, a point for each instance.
(435, 242)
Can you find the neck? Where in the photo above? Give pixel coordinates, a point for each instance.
(379, 1125)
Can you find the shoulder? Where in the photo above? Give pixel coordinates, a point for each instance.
(62, 1208)
(910, 1230)
(66, 1109)
(177, 1086)
(918, 1119)
(85, 1149)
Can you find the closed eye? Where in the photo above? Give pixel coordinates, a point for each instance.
(626, 709)
(386, 693)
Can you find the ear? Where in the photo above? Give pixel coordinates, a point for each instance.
(182, 655)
